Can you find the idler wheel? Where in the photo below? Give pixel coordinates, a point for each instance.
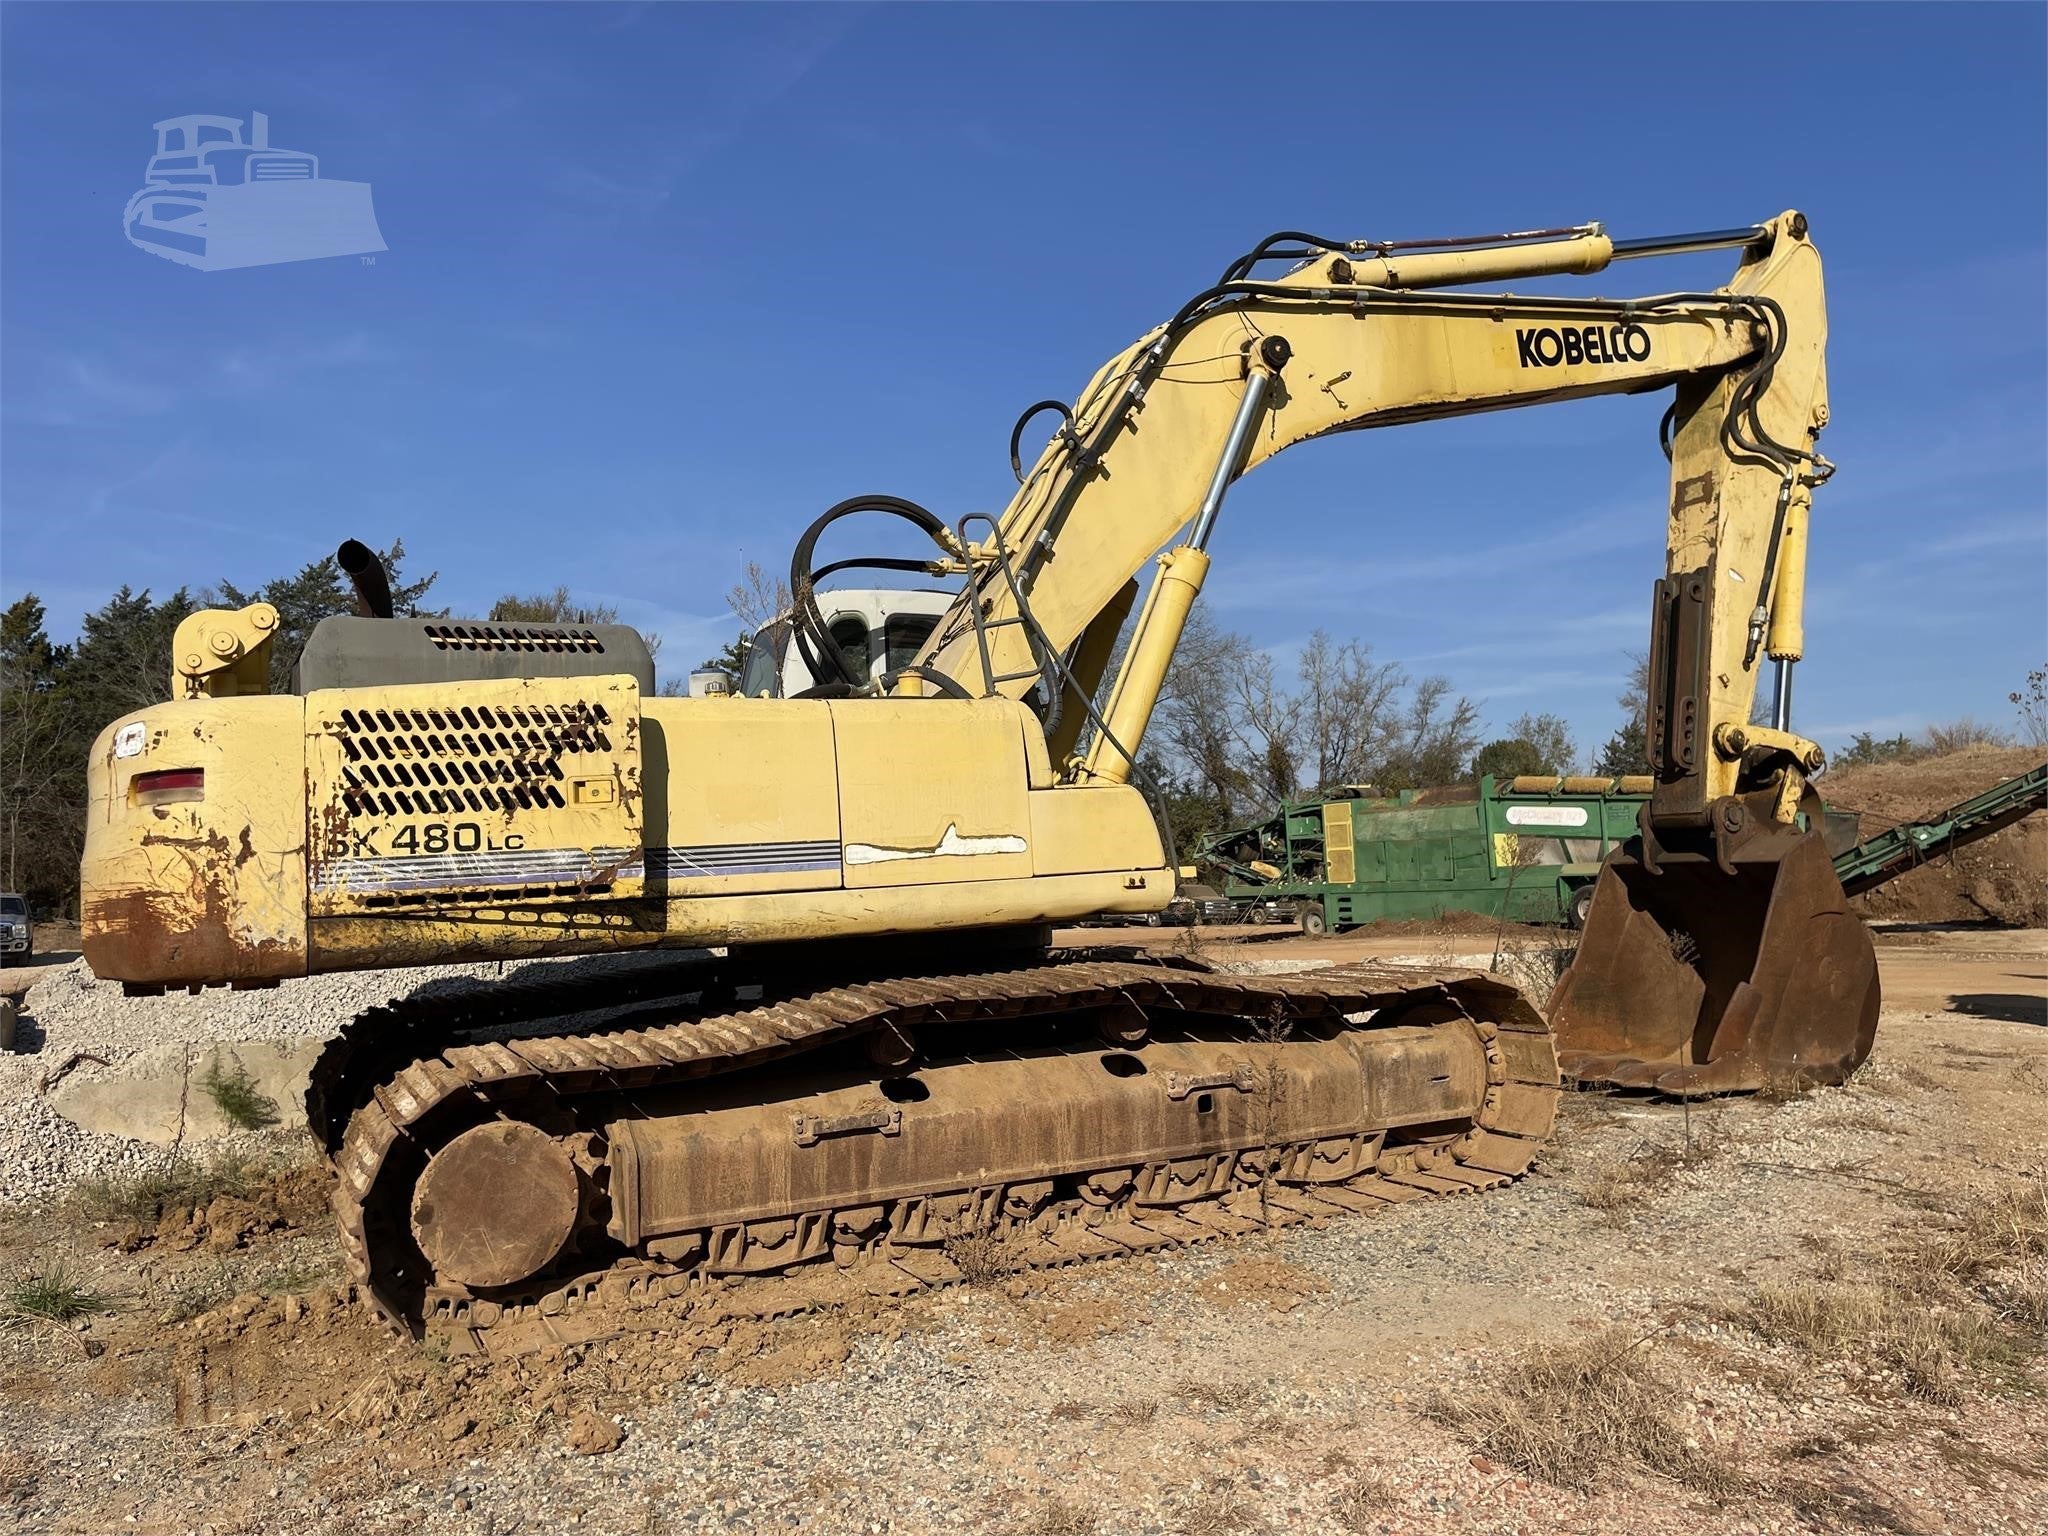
(495, 1205)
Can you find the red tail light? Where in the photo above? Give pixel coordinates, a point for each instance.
(167, 786)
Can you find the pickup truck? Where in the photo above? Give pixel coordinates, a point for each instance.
(17, 942)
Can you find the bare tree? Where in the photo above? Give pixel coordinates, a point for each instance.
(1437, 738)
(1250, 729)
(2032, 704)
(757, 597)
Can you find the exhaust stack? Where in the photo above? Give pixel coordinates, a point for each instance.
(365, 572)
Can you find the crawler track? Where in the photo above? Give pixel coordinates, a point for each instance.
(589, 1091)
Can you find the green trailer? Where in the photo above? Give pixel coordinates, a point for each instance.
(1527, 849)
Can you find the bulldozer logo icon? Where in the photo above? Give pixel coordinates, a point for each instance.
(216, 198)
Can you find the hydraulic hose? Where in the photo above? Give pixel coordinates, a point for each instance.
(828, 663)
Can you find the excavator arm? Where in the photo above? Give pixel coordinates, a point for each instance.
(1719, 951)
(1349, 340)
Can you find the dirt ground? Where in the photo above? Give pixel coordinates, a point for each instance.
(1820, 1313)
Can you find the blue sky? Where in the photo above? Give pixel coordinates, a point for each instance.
(664, 282)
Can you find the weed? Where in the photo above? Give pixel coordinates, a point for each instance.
(982, 1255)
(1217, 1513)
(52, 1296)
(1935, 1348)
(1056, 1516)
(1619, 1185)
(199, 1293)
(1782, 1086)
(235, 1094)
(142, 1199)
(1132, 1411)
(1219, 1395)
(1070, 1409)
(1362, 1504)
(1270, 1095)
(297, 1278)
(1571, 1413)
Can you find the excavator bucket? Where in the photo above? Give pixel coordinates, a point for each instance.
(1698, 977)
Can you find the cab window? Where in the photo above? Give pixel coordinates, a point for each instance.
(850, 634)
(905, 634)
(761, 678)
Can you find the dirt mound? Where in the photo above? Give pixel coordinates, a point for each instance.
(2004, 877)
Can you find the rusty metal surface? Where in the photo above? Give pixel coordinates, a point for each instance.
(1460, 1092)
(1693, 978)
(496, 1204)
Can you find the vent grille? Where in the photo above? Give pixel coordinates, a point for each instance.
(417, 762)
(513, 637)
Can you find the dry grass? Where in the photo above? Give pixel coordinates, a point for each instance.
(983, 1255)
(1852, 1116)
(142, 1199)
(1535, 965)
(1781, 1086)
(1056, 1516)
(1220, 1512)
(1935, 1352)
(1575, 1413)
(19, 1475)
(1960, 1309)
(1616, 1186)
(1221, 1396)
(1363, 1504)
(1841, 1504)
(1888, 1080)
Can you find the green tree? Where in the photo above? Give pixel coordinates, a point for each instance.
(1535, 744)
(1628, 749)
(54, 700)
(1508, 757)
(35, 760)
(1864, 750)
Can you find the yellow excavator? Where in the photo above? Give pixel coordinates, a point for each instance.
(867, 1072)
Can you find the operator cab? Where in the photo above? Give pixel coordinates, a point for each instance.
(881, 630)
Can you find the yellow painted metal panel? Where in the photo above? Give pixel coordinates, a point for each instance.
(1108, 827)
(525, 791)
(931, 791)
(745, 796)
(1340, 855)
(206, 883)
